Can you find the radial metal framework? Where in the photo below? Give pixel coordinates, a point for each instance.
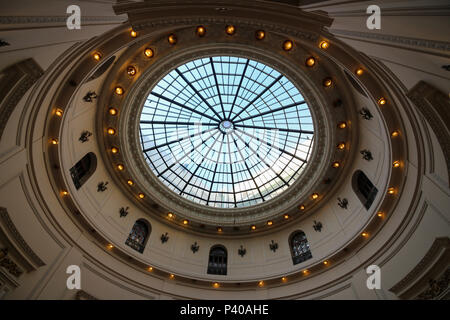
(226, 131)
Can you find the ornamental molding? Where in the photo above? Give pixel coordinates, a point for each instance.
(17, 242)
(434, 105)
(408, 41)
(83, 295)
(7, 263)
(15, 82)
(55, 19)
(416, 281)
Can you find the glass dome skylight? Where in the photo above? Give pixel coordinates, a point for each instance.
(226, 131)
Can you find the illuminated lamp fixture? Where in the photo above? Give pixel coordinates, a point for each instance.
(342, 125)
(286, 216)
(219, 229)
(310, 62)
(324, 44)
(391, 190)
(131, 71)
(216, 285)
(120, 167)
(325, 262)
(130, 182)
(395, 134)
(261, 283)
(111, 131)
(253, 227)
(382, 101)
(336, 164)
(260, 34)
(118, 90)
(150, 269)
(201, 31)
(359, 71)
(109, 246)
(396, 164)
(305, 272)
(170, 215)
(302, 207)
(230, 30)
(141, 195)
(172, 39)
(172, 276)
(341, 146)
(365, 234)
(59, 112)
(284, 279)
(54, 141)
(148, 52)
(327, 82)
(315, 196)
(112, 111)
(380, 214)
(288, 45)
(97, 56)
(64, 193)
(114, 150)
(133, 33)
(270, 222)
(185, 222)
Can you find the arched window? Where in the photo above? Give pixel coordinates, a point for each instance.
(364, 188)
(299, 247)
(138, 236)
(83, 169)
(217, 263)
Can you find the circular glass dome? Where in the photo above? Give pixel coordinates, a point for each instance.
(226, 132)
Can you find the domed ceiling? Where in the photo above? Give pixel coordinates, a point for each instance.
(223, 127)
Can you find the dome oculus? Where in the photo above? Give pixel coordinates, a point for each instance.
(226, 132)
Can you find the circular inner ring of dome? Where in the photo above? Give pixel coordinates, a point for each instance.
(226, 132)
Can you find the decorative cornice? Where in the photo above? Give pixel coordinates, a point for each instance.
(55, 19)
(407, 41)
(8, 264)
(8, 227)
(434, 106)
(83, 295)
(16, 81)
(435, 256)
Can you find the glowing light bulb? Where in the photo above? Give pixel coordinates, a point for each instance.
(310, 62)
(324, 44)
(288, 45)
(172, 39)
(97, 56)
(230, 30)
(148, 52)
(260, 34)
(201, 31)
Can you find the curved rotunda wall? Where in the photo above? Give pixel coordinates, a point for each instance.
(102, 209)
(76, 228)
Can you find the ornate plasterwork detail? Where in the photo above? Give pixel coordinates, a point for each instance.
(8, 227)
(9, 264)
(436, 257)
(436, 287)
(83, 295)
(16, 81)
(408, 41)
(54, 19)
(434, 106)
(158, 23)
